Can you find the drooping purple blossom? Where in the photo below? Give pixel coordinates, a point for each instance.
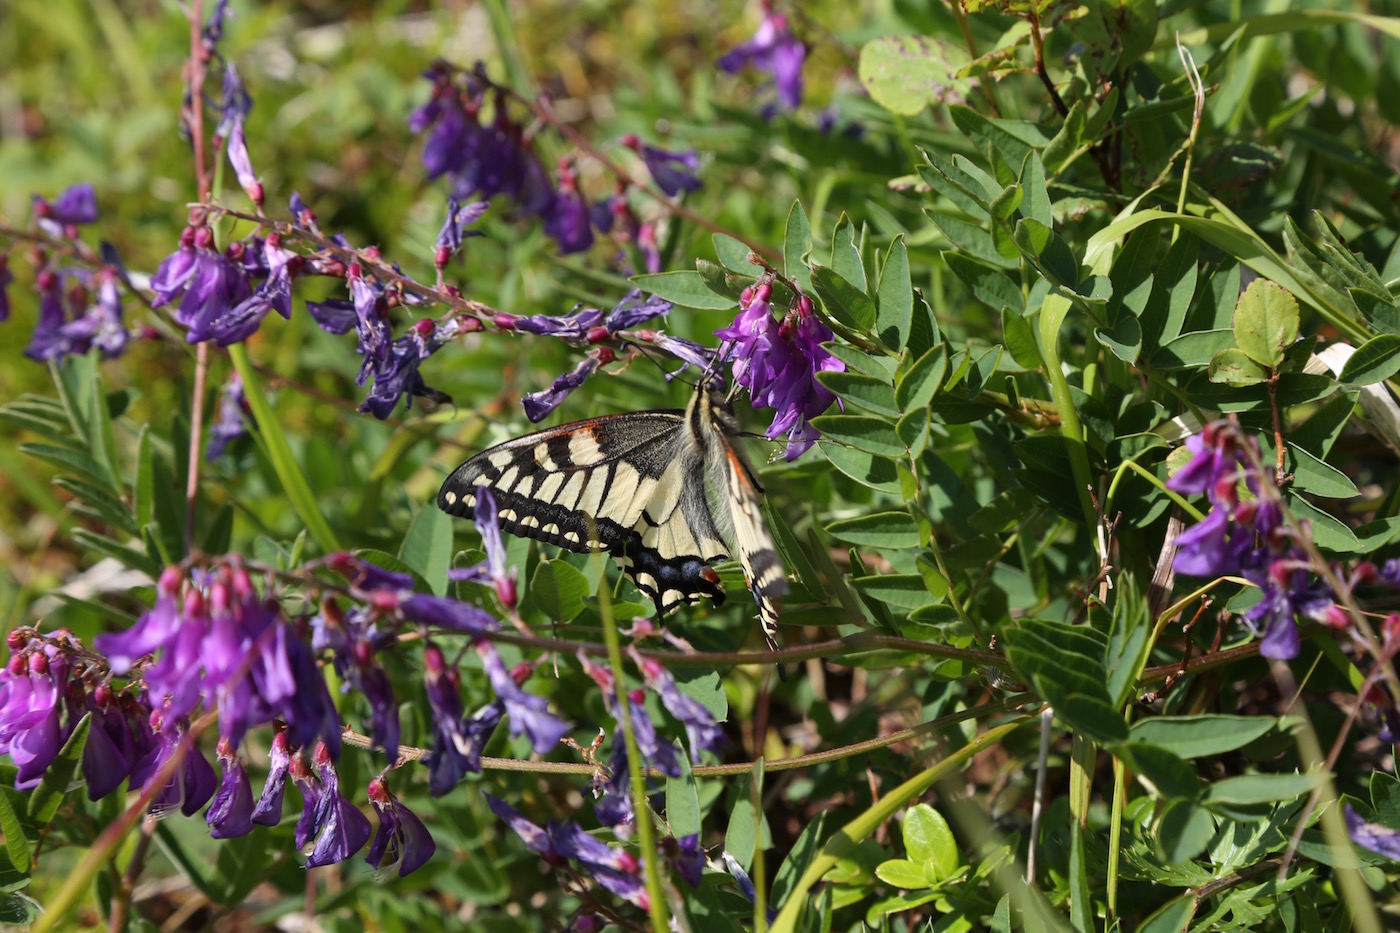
(528, 713)
(355, 638)
(454, 229)
(235, 103)
(686, 857)
(495, 571)
(457, 741)
(774, 50)
(110, 751)
(193, 781)
(539, 404)
(567, 218)
(337, 825)
(673, 172)
(401, 842)
(229, 424)
(778, 364)
(69, 322)
(397, 377)
(76, 206)
(209, 284)
(1379, 838)
(268, 811)
(701, 729)
(213, 32)
(231, 813)
(745, 883)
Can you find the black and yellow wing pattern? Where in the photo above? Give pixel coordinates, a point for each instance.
(666, 493)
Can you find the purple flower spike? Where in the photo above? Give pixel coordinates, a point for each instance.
(538, 405)
(529, 714)
(1377, 837)
(673, 172)
(401, 841)
(268, 811)
(772, 49)
(231, 813)
(228, 425)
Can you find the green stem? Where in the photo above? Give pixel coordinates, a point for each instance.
(645, 831)
(1151, 478)
(280, 453)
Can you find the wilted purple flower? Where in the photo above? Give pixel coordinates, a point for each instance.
(778, 364)
(454, 228)
(529, 714)
(77, 205)
(338, 826)
(572, 326)
(656, 752)
(32, 689)
(268, 811)
(646, 244)
(193, 782)
(234, 103)
(401, 841)
(687, 351)
(1377, 837)
(772, 49)
(398, 377)
(538, 405)
(213, 31)
(231, 813)
(567, 220)
(456, 743)
(635, 308)
(228, 423)
(673, 172)
(302, 214)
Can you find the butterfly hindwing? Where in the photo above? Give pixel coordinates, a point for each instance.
(658, 490)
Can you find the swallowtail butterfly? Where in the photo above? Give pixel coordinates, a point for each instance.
(665, 490)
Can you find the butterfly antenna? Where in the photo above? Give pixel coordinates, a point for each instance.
(646, 353)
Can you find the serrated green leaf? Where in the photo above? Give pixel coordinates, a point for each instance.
(684, 288)
(557, 589)
(843, 300)
(893, 530)
(895, 298)
(48, 796)
(1201, 736)
(427, 547)
(1232, 366)
(1374, 361)
(1266, 322)
(870, 434)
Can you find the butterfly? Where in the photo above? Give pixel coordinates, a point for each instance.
(660, 491)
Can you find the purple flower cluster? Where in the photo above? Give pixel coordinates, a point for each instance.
(1245, 535)
(774, 50)
(778, 363)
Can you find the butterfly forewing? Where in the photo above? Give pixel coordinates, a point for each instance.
(643, 486)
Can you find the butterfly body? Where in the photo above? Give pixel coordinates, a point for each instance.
(666, 493)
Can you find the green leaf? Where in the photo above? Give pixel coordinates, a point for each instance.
(1066, 141)
(1191, 350)
(1172, 917)
(1374, 361)
(747, 832)
(15, 842)
(904, 873)
(899, 590)
(1248, 789)
(867, 392)
(989, 286)
(682, 801)
(917, 387)
(893, 530)
(870, 434)
(101, 440)
(1014, 139)
(881, 367)
(219, 535)
(1266, 322)
(798, 858)
(895, 298)
(1313, 476)
(1006, 203)
(558, 589)
(143, 493)
(684, 288)
(875, 472)
(929, 841)
(1036, 205)
(797, 244)
(1201, 736)
(843, 300)
(67, 458)
(1166, 771)
(130, 556)
(734, 255)
(845, 255)
(972, 239)
(48, 796)
(169, 511)
(1043, 244)
(913, 430)
(1234, 367)
(905, 74)
(1185, 830)
(427, 547)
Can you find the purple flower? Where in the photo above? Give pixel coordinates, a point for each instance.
(457, 743)
(208, 283)
(110, 750)
(673, 172)
(567, 220)
(529, 714)
(700, 727)
(234, 103)
(32, 689)
(772, 49)
(745, 883)
(614, 806)
(77, 205)
(6, 277)
(570, 841)
(634, 309)
(193, 782)
(213, 31)
(231, 813)
(339, 828)
(1202, 549)
(687, 857)
(398, 377)
(535, 838)
(154, 629)
(335, 315)
(401, 841)
(538, 405)
(1377, 837)
(454, 228)
(228, 424)
(688, 352)
(778, 364)
(365, 575)
(449, 614)
(268, 811)
(242, 164)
